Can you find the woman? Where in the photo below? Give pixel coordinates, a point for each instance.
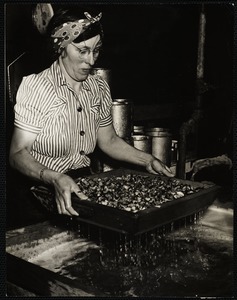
(62, 112)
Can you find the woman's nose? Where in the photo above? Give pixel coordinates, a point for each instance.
(90, 58)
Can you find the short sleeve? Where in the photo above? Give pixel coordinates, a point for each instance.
(106, 104)
(32, 103)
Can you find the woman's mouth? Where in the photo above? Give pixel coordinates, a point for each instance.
(85, 71)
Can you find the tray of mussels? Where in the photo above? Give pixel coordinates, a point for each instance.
(133, 202)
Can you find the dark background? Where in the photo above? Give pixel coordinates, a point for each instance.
(151, 50)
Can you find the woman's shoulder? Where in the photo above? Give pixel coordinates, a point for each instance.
(97, 80)
(37, 79)
(36, 88)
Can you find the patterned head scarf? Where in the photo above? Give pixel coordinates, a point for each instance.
(69, 31)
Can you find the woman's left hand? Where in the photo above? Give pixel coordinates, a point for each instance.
(155, 166)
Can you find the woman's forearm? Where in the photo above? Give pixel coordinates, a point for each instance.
(64, 185)
(25, 163)
(118, 149)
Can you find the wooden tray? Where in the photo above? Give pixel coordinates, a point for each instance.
(136, 223)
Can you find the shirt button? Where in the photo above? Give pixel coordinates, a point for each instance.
(79, 109)
(82, 132)
(82, 152)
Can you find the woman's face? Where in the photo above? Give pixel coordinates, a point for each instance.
(78, 58)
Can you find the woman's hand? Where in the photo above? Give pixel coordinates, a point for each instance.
(64, 186)
(118, 149)
(155, 166)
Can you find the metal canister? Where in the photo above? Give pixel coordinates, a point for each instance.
(161, 143)
(142, 142)
(122, 114)
(98, 163)
(104, 73)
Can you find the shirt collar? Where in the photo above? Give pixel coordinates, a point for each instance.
(58, 76)
(61, 80)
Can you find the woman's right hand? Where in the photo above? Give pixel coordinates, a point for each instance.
(21, 160)
(64, 186)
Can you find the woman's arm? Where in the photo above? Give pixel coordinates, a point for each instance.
(118, 149)
(21, 160)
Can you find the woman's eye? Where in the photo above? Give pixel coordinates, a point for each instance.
(96, 50)
(83, 51)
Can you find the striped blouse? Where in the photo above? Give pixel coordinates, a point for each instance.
(66, 123)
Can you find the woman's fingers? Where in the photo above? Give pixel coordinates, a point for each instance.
(68, 203)
(72, 211)
(152, 171)
(158, 167)
(64, 186)
(59, 207)
(80, 195)
(167, 172)
(64, 204)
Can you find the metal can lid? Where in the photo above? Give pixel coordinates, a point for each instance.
(140, 137)
(159, 133)
(104, 69)
(121, 101)
(157, 129)
(138, 127)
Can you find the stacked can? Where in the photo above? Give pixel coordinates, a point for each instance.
(161, 143)
(140, 140)
(122, 115)
(138, 130)
(97, 158)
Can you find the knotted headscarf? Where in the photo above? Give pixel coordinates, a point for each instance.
(69, 31)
